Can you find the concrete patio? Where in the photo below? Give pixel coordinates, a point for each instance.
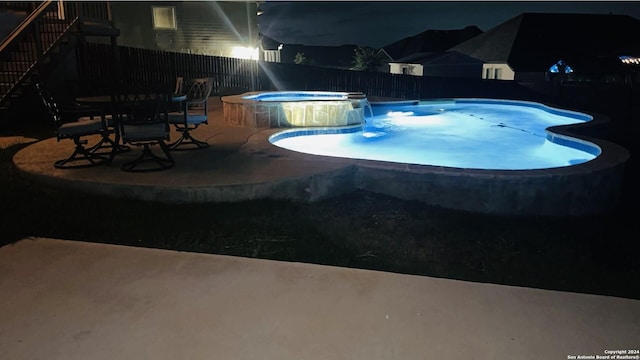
(75, 300)
(238, 165)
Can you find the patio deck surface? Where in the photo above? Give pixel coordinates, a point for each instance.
(75, 300)
(238, 165)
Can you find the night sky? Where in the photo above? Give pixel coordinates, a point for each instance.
(380, 23)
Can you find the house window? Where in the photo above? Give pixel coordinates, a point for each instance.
(406, 71)
(487, 73)
(560, 67)
(164, 17)
(497, 73)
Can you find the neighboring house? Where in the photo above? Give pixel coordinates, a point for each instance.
(534, 47)
(217, 28)
(408, 56)
(438, 64)
(270, 49)
(339, 57)
(408, 52)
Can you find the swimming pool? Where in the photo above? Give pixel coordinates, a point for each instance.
(463, 133)
(585, 178)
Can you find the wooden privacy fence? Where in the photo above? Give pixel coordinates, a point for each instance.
(155, 66)
(98, 69)
(140, 65)
(279, 76)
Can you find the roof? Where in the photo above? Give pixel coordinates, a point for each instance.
(326, 56)
(535, 41)
(268, 43)
(430, 41)
(439, 58)
(417, 58)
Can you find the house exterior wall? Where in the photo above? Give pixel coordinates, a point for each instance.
(406, 69)
(217, 28)
(471, 71)
(271, 55)
(497, 71)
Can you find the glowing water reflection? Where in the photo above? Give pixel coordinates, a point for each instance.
(463, 134)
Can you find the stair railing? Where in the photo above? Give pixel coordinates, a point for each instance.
(24, 48)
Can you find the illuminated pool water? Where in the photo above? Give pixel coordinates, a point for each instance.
(286, 96)
(469, 133)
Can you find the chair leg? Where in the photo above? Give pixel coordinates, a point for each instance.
(107, 142)
(81, 157)
(187, 142)
(149, 157)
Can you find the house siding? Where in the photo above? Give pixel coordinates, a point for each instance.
(492, 71)
(411, 69)
(207, 27)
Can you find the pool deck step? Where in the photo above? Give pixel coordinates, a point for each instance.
(79, 300)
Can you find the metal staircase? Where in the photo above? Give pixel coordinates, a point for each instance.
(49, 29)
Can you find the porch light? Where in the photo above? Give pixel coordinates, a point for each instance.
(244, 52)
(629, 60)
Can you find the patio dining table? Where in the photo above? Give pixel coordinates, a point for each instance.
(105, 100)
(106, 103)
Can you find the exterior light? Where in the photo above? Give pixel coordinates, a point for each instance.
(244, 52)
(630, 60)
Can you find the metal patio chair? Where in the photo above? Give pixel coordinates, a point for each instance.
(193, 113)
(142, 119)
(77, 123)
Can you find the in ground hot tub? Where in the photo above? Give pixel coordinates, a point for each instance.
(285, 109)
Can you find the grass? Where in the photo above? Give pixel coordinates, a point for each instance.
(589, 254)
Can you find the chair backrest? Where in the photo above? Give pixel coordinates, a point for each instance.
(198, 92)
(179, 85)
(143, 106)
(49, 103)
